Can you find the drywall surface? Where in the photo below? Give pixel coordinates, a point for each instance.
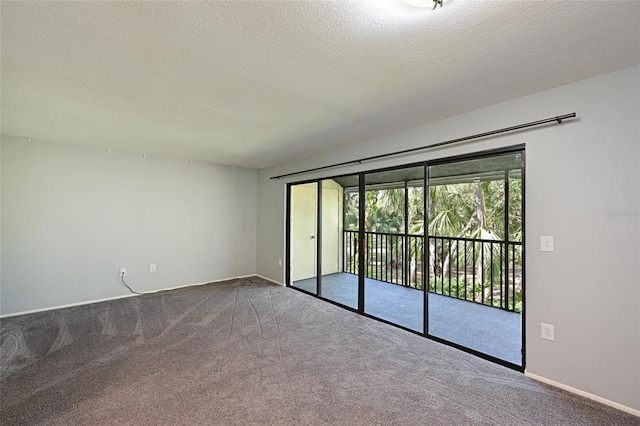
(582, 187)
(72, 216)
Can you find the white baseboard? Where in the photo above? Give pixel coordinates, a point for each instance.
(68, 305)
(88, 302)
(584, 394)
(269, 279)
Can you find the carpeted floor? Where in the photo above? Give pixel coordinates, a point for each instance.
(248, 352)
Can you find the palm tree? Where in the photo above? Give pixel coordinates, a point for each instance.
(473, 210)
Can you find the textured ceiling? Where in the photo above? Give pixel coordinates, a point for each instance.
(252, 84)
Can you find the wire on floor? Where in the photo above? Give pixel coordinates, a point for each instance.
(125, 284)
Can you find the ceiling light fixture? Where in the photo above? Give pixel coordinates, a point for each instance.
(424, 3)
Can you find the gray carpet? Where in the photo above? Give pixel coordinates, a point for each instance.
(492, 331)
(248, 352)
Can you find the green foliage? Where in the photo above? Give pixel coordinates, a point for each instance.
(473, 210)
(351, 203)
(451, 209)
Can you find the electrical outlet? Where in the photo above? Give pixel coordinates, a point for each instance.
(123, 272)
(152, 267)
(547, 332)
(279, 262)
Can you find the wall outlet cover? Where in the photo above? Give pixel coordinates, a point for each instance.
(547, 332)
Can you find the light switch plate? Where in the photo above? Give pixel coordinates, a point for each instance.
(546, 243)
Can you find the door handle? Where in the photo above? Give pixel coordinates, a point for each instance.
(313, 237)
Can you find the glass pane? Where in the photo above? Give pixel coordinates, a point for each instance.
(475, 251)
(514, 283)
(339, 267)
(393, 240)
(303, 221)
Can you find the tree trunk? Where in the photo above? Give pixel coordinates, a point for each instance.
(481, 225)
(480, 217)
(447, 260)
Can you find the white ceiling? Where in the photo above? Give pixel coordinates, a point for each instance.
(252, 84)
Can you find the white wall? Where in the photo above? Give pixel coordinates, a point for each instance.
(72, 216)
(575, 172)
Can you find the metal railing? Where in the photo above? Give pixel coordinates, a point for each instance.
(386, 257)
(488, 272)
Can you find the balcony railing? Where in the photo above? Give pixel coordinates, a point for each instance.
(488, 272)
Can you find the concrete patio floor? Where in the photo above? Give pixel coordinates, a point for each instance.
(485, 329)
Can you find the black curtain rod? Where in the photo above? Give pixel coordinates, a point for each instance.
(557, 119)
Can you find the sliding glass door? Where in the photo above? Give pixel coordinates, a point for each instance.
(435, 248)
(324, 229)
(475, 254)
(339, 279)
(393, 242)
